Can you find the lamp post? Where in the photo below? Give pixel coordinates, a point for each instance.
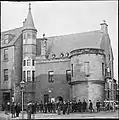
(22, 83)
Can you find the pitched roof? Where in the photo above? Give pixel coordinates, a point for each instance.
(67, 43)
(29, 24)
(15, 32)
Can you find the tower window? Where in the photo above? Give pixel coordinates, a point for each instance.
(5, 54)
(86, 68)
(28, 35)
(28, 75)
(24, 76)
(102, 69)
(33, 62)
(50, 76)
(28, 62)
(5, 74)
(68, 75)
(33, 75)
(33, 36)
(24, 62)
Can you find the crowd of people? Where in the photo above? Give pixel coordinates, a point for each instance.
(59, 107)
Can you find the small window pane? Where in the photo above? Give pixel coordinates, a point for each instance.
(33, 62)
(5, 54)
(28, 62)
(86, 68)
(24, 75)
(28, 75)
(28, 35)
(33, 75)
(68, 75)
(5, 74)
(24, 62)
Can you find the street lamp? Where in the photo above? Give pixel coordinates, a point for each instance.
(22, 83)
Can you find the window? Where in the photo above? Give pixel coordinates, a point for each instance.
(6, 39)
(28, 35)
(28, 75)
(86, 68)
(5, 74)
(33, 36)
(50, 76)
(33, 62)
(33, 75)
(24, 36)
(102, 69)
(5, 54)
(72, 69)
(28, 62)
(24, 62)
(68, 75)
(24, 75)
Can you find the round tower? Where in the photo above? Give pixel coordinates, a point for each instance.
(88, 74)
(29, 33)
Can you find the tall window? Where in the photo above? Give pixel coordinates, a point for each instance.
(33, 36)
(5, 74)
(24, 74)
(50, 76)
(68, 75)
(28, 35)
(86, 68)
(33, 62)
(5, 54)
(33, 75)
(28, 62)
(28, 75)
(102, 69)
(24, 62)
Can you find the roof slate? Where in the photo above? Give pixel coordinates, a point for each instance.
(66, 43)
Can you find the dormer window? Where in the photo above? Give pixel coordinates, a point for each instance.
(67, 54)
(62, 54)
(53, 55)
(6, 39)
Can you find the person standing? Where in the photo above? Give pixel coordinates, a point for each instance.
(13, 105)
(90, 106)
(17, 109)
(79, 105)
(98, 105)
(84, 106)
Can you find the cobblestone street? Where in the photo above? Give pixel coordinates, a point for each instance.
(101, 114)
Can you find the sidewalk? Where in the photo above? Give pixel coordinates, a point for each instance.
(102, 114)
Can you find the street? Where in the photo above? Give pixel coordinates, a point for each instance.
(102, 114)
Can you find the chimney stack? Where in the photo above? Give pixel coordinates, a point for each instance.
(104, 28)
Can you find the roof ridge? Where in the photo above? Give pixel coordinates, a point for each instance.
(11, 29)
(70, 34)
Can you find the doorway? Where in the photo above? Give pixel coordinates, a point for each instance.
(46, 98)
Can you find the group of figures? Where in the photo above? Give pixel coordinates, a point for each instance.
(13, 108)
(65, 107)
(59, 107)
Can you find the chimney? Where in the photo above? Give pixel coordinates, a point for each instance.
(104, 28)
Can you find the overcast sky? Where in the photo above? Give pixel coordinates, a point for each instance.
(60, 18)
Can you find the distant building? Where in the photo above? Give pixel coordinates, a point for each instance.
(75, 66)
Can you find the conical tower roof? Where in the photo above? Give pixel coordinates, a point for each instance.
(29, 24)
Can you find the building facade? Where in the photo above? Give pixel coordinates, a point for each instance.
(75, 66)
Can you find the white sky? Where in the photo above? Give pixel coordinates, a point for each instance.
(60, 18)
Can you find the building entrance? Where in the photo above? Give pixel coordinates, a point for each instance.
(46, 98)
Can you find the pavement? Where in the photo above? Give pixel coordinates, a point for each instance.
(102, 114)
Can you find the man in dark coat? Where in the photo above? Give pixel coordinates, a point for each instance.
(84, 106)
(90, 106)
(79, 105)
(13, 105)
(98, 105)
(17, 109)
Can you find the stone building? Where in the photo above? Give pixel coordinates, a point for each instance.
(75, 66)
